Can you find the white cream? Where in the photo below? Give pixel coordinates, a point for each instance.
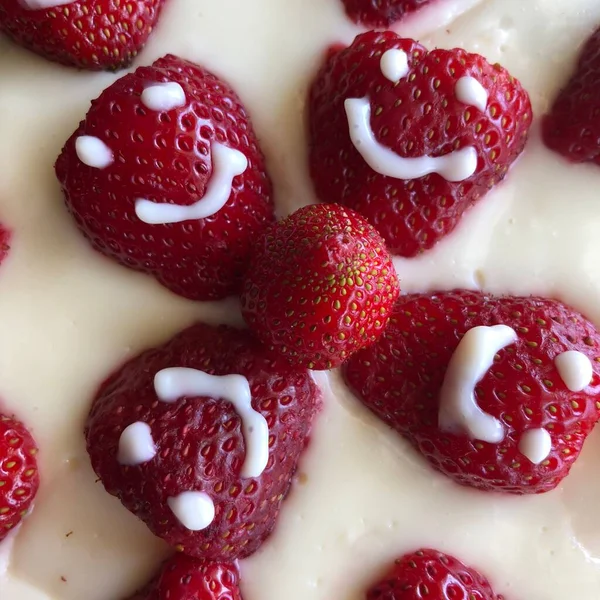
(536, 445)
(575, 369)
(394, 64)
(457, 165)
(93, 152)
(227, 164)
(136, 445)
(175, 383)
(43, 4)
(473, 357)
(163, 96)
(470, 92)
(195, 510)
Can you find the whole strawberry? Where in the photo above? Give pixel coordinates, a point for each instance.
(187, 578)
(573, 126)
(90, 34)
(320, 286)
(411, 139)
(381, 13)
(498, 393)
(19, 476)
(165, 176)
(432, 575)
(200, 439)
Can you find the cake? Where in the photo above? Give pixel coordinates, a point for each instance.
(361, 497)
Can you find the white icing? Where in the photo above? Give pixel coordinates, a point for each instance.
(227, 164)
(536, 445)
(474, 355)
(136, 445)
(93, 152)
(195, 510)
(163, 96)
(454, 166)
(175, 383)
(394, 64)
(575, 369)
(43, 4)
(469, 91)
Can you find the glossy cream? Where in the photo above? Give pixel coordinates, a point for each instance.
(362, 496)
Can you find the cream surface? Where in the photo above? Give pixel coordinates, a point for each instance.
(69, 317)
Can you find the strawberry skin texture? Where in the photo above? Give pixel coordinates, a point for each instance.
(89, 34)
(401, 376)
(432, 575)
(200, 446)
(166, 157)
(418, 116)
(187, 578)
(320, 286)
(573, 126)
(381, 13)
(19, 475)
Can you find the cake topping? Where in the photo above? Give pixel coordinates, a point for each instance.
(470, 92)
(89, 34)
(410, 155)
(457, 165)
(394, 64)
(163, 96)
(320, 286)
(19, 476)
(196, 493)
(473, 357)
(575, 370)
(381, 13)
(195, 510)
(187, 194)
(572, 128)
(227, 165)
(136, 445)
(536, 445)
(470, 380)
(175, 383)
(93, 152)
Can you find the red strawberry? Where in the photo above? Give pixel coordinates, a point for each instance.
(381, 13)
(431, 575)
(400, 102)
(573, 126)
(538, 424)
(187, 578)
(5, 236)
(19, 476)
(91, 34)
(188, 155)
(320, 286)
(196, 444)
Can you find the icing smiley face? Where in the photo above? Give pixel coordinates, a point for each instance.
(410, 138)
(165, 175)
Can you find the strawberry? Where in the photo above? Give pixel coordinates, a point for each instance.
(194, 448)
(381, 13)
(90, 34)
(5, 237)
(187, 578)
(539, 396)
(431, 575)
(573, 126)
(409, 138)
(320, 286)
(170, 134)
(19, 476)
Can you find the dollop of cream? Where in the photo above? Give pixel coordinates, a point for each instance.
(470, 92)
(575, 369)
(163, 96)
(93, 152)
(394, 64)
(194, 510)
(136, 445)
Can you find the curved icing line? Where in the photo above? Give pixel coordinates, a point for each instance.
(455, 166)
(227, 164)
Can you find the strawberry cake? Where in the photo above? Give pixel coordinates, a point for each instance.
(299, 299)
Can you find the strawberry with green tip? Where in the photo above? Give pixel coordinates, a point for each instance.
(19, 475)
(320, 286)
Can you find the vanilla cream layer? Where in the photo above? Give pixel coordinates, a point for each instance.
(68, 317)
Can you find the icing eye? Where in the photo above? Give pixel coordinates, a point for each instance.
(394, 64)
(93, 152)
(136, 445)
(575, 369)
(163, 97)
(470, 92)
(535, 445)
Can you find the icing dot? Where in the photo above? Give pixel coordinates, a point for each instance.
(93, 152)
(163, 96)
(136, 445)
(575, 369)
(536, 445)
(470, 92)
(394, 64)
(194, 510)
